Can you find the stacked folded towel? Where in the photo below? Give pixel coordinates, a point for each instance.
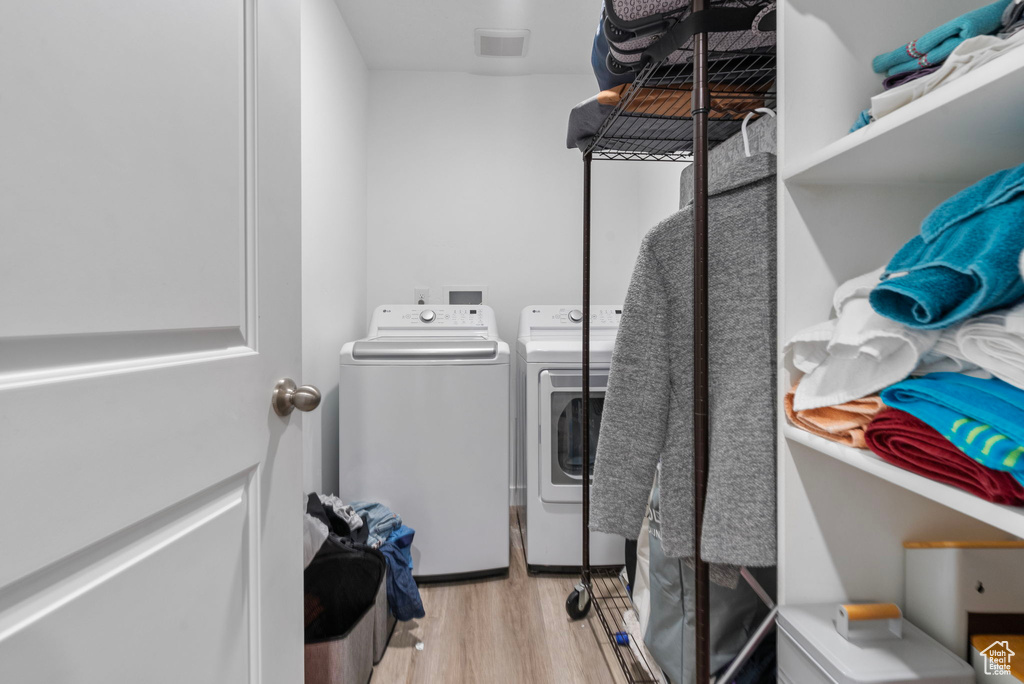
(890, 82)
(946, 357)
(942, 55)
(964, 262)
(968, 56)
(949, 307)
(994, 342)
(903, 440)
(843, 423)
(983, 418)
(934, 46)
(1013, 19)
(856, 354)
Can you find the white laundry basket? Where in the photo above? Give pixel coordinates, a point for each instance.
(831, 644)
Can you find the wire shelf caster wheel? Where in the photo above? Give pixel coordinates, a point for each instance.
(578, 603)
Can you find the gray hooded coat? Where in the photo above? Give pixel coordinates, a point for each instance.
(648, 406)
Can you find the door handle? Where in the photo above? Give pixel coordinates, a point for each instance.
(288, 396)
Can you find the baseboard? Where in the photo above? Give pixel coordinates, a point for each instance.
(516, 496)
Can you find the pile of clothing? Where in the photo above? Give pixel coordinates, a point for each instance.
(743, 62)
(943, 55)
(360, 541)
(924, 361)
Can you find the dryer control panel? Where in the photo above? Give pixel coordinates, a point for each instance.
(568, 317)
(425, 319)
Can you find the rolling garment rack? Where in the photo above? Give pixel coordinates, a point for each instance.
(717, 52)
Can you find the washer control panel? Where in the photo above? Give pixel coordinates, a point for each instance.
(422, 318)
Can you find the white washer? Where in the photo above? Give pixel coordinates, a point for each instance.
(424, 429)
(549, 391)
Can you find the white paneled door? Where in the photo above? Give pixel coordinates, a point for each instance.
(150, 498)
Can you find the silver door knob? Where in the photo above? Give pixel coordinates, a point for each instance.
(288, 397)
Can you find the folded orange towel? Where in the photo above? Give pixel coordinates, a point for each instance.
(727, 101)
(843, 423)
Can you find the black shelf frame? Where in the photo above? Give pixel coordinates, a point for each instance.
(729, 69)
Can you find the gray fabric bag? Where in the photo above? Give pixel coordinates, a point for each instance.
(670, 629)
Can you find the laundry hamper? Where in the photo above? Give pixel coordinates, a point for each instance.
(345, 611)
(383, 622)
(350, 657)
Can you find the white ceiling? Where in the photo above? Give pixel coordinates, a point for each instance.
(437, 35)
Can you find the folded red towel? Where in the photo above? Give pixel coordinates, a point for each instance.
(905, 441)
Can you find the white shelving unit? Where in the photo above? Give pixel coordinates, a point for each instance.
(1007, 518)
(919, 141)
(847, 202)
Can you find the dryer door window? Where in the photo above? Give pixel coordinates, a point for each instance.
(567, 435)
(561, 431)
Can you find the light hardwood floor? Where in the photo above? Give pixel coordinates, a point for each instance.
(511, 630)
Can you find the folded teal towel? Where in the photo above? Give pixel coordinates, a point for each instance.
(863, 120)
(934, 46)
(964, 261)
(983, 418)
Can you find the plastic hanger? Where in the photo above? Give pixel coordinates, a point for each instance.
(746, 140)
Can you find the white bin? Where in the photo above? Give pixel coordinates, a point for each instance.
(946, 582)
(812, 650)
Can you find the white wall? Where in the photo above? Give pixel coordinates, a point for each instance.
(335, 86)
(470, 183)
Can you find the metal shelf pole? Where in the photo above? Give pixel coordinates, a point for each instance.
(586, 369)
(700, 104)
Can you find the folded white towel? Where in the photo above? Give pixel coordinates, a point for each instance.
(946, 356)
(856, 354)
(995, 342)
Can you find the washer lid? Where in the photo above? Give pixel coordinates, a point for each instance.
(424, 348)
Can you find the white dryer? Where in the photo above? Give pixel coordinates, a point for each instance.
(424, 429)
(548, 428)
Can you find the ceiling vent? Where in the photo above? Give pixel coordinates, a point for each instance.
(501, 42)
